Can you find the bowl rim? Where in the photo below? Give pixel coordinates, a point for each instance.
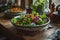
(28, 26)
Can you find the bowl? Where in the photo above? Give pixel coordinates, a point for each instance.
(57, 33)
(30, 28)
(10, 14)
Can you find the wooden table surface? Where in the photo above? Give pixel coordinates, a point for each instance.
(40, 35)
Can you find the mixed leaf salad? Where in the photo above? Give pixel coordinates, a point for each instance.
(30, 19)
(37, 17)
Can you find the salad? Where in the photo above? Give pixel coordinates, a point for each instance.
(30, 19)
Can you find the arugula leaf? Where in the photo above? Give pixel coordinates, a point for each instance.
(40, 22)
(14, 20)
(43, 16)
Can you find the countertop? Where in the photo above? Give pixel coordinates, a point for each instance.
(39, 35)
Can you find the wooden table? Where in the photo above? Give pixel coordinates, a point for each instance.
(14, 33)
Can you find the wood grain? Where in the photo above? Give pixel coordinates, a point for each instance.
(15, 33)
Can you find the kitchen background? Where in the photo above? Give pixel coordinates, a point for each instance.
(56, 2)
(26, 3)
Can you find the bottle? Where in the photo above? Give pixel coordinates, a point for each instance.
(52, 9)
